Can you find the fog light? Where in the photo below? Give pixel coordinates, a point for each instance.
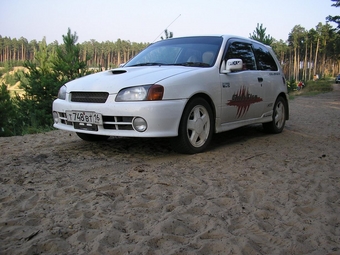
(139, 124)
(55, 117)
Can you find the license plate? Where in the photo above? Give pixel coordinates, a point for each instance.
(84, 117)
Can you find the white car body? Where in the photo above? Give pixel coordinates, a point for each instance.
(236, 97)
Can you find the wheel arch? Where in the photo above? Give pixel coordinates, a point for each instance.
(209, 101)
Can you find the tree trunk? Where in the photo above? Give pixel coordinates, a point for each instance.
(297, 78)
(118, 60)
(22, 52)
(310, 61)
(316, 56)
(294, 63)
(305, 64)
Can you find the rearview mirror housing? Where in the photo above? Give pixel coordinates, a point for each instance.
(232, 65)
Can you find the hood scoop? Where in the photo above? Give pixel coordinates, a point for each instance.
(118, 71)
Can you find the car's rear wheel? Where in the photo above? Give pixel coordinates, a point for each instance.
(92, 138)
(196, 127)
(279, 117)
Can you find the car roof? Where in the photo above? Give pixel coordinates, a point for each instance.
(224, 36)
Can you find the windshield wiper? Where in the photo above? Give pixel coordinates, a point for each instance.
(149, 64)
(195, 64)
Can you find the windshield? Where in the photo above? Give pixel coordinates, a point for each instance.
(190, 51)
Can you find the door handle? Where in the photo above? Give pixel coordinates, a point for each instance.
(260, 79)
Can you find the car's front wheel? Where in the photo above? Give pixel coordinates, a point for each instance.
(279, 117)
(92, 138)
(196, 127)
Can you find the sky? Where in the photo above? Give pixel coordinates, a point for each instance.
(144, 21)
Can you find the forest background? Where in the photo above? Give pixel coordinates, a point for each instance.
(32, 72)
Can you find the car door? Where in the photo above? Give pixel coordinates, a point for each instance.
(269, 72)
(242, 91)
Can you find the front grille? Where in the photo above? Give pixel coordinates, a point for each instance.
(63, 118)
(89, 97)
(117, 122)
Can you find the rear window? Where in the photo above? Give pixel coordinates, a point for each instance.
(264, 60)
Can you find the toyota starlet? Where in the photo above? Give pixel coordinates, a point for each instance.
(185, 88)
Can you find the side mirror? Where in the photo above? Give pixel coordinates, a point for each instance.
(232, 65)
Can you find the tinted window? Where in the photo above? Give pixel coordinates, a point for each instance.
(243, 51)
(264, 59)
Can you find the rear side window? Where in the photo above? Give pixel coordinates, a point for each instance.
(264, 60)
(243, 51)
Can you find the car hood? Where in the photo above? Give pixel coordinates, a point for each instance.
(114, 80)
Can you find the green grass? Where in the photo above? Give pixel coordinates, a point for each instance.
(313, 88)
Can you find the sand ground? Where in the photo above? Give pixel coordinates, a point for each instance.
(250, 193)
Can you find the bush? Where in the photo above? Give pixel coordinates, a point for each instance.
(292, 86)
(10, 79)
(8, 120)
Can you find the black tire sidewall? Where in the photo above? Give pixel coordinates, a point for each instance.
(271, 126)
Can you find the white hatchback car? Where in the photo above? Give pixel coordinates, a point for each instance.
(186, 88)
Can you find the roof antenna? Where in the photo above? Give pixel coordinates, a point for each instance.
(166, 28)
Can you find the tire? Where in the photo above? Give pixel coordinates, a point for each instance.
(279, 117)
(195, 129)
(92, 138)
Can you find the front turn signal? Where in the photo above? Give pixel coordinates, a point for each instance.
(155, 92)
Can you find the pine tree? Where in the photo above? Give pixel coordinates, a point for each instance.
(46, 74)
(335, 19)
(260, 35)
(68, 63)
(168, 34)
(40, 85)
(7, 113)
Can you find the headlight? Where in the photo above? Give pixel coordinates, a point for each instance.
(62, 92)
(133, 94)
(140, 93)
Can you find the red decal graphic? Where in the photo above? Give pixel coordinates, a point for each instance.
(242, 99)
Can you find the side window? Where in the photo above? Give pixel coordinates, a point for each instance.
(265, 61)
(243, 51)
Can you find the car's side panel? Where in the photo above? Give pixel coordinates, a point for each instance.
(242, 96)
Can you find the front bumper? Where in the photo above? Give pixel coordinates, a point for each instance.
(162, 117)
